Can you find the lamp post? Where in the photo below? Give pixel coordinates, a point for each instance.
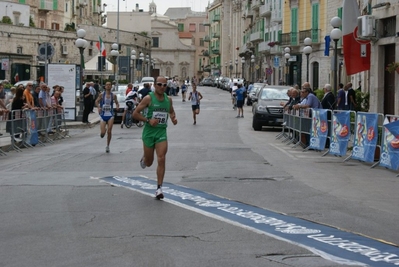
(147, 61)
(287, 55)
(242, 66)
(81, 43)
(133, 57)
(231, 66)
(336, 34)
(142, 62)
(225, 65)
(115, 56)
(252, 67)
(307, 50)
(236, 61)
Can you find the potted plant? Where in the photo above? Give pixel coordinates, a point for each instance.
(394, 66)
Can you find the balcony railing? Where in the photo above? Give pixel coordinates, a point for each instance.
(215, 51)
(46, 5)
(216, 17)
(313, 34)
(215, 35)
(290, 39)
(265, 10)
(276, 16)
(263, 47)
(206, 38)
(206, 23)
(275, 50)
(256, 36)
(256, 4)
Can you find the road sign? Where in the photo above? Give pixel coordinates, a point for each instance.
(43, 54)
(276, 62)
(269, 71)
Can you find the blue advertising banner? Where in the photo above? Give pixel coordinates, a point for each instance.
(340, 133)
(319, 131)
(390, 146)
(366, 135)
(32, 137)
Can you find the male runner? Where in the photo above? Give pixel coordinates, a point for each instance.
(104, 103)
(159, 108)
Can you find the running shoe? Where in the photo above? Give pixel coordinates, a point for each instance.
(242, 116)
(238, 116)
(122, 125)
(107, 149)
(142, 163)
(159, 194)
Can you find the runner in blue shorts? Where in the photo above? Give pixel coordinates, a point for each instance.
(105, 103)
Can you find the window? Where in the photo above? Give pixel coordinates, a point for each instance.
(201, 27)
(55, 26)
(192, 27)
(42, 24)
(202, 43)
(180, 27)
(19, 50)
(66, 7)
(90, 52)
(155, 41)
(315, 23)
(193, 41)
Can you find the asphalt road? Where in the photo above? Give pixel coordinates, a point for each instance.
(55, 210)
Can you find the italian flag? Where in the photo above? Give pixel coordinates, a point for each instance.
(101, 47)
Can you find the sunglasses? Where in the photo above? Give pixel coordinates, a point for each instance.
(161, 84)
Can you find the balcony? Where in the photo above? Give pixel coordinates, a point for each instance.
(216, 17)
(313, 34)
(276, 16)
(207, 39)
(256, 4)
(263, 47)
(275, 50)
(215, 35)
(248, 13)
(46, 5)
(256, 37)
(265, 11)
(206, 23)
(205, 53)
(215, 51)
(289, 39)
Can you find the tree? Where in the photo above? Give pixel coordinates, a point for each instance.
(6, 20)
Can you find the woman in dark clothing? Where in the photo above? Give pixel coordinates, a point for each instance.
(17, 106)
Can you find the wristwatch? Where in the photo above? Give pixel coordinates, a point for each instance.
(147, 121)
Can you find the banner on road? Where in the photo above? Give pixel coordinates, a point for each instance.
(318, 135)
(366, 133)
(340, 133)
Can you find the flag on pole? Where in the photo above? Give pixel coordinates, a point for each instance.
(356, 51)
(101, 47)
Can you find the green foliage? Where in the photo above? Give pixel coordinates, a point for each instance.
(319, 93)
(6, 20)
(144, 33)
(70, 27)
(31, 23)
(363, 101)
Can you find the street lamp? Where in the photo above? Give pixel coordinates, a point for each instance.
(336, 34)
(147, 61)
(142, 63)
(225, 64)
(236, 61)
(231, 66)
(133, 57)
(307, 50)
(287, 56)
(242, 66)
(115, 55)
(252, 67)
(81, 43)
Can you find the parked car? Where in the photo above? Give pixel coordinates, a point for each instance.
(207, 82)
(225, 84)
(266, 108)
(24, 83)
(120, 94)
(252, 95)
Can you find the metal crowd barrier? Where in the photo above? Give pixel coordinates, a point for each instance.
(16, 123)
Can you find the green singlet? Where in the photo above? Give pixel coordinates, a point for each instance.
(156, 110)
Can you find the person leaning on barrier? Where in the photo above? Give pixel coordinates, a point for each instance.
(328, 101)
(286, 104)
(309, 100)
(296, 99)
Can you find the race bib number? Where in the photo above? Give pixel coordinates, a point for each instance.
(107, 108)
(162, 117)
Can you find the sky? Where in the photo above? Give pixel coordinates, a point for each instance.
(162, 5)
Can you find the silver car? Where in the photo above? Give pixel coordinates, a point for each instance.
(266, 108)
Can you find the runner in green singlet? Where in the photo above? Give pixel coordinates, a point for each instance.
(159, 108)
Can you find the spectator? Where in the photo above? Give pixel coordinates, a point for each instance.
(328, 101)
